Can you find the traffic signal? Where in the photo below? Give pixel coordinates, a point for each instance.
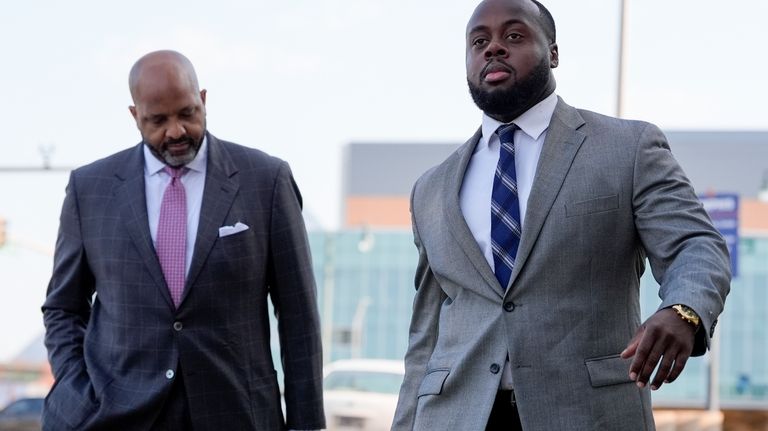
(2, 232)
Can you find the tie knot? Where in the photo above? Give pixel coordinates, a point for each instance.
(175, 173)
(506, 133)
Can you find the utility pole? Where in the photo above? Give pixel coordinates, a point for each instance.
(622, 60)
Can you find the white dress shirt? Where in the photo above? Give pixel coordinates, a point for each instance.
(477, 187)
(155, 182)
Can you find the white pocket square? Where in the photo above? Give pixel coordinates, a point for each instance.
(231, 230)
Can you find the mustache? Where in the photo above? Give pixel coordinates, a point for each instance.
(182, 140)
(496, 63)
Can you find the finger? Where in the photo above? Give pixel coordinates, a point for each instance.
(631, 348)
(662, 373)
(651, 360)
(680, 361)
(641, 354)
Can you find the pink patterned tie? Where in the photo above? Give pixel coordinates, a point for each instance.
(172, 234)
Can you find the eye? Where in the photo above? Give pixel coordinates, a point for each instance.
(514, 36)
(479, 42)
(157, 120)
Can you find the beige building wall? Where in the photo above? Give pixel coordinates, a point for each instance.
(377, 211)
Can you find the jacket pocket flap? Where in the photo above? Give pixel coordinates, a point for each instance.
(608, 370)
(433, 382)
(599, 204)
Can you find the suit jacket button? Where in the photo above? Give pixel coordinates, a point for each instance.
(177, 326)
(509, 306)
(169, 374)
(495, 368)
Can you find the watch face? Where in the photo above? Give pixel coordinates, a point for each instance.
(687, 314)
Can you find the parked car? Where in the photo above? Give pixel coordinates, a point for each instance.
(361, 394)
(22, 415)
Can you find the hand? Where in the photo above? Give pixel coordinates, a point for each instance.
(666, 337)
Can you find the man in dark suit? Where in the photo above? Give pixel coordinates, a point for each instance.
(156, 313)
(532, 239)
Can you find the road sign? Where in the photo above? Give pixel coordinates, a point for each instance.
(723, 209)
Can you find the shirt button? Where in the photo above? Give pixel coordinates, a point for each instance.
(495, 368)
(169, 374)
(177, 326)
(509, 306)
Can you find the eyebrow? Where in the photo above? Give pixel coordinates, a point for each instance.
(151, 117)
(506, 23)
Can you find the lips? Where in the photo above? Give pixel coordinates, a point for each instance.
(179, 146)
(496, 72)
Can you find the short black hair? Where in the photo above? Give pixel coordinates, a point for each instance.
(547, 22)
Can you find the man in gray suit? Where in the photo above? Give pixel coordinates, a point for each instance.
(156, 315)
(532, 238)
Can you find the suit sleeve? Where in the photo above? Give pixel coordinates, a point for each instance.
(422, 335)
(688, 256)
(293, 292)
(67, 309)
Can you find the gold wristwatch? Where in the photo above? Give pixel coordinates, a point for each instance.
(686, 313)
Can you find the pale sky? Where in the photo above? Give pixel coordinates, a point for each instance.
(301, 78)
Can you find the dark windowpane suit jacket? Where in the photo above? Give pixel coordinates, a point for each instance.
(111, 354)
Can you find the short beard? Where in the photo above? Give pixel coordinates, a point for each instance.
(176, 161)
(513, 101)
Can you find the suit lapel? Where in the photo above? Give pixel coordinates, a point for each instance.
(218, 194)
(131, 194)
(560, 147)
(455, 170)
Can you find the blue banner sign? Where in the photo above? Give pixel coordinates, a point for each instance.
(723, 209)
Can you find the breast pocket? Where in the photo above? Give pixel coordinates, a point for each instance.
(242, 243)
(591, 206)
(238, 255)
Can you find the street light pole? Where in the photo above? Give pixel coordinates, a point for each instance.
(32, 169)
(358, 327)
(713, 386)
(46, 152)
(329, 280)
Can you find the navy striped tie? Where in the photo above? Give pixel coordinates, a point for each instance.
(505, 208)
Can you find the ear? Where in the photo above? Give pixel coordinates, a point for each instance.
(132, 108)
(203, 93)
(554, 56)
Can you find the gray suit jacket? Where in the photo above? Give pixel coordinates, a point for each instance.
(112, 354)
(607, 194)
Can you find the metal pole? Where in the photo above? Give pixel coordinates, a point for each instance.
(34, 169)
(622, 50)
(358, 326)
(329, 277)
(713, 396)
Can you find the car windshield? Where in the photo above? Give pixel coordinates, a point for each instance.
(363, 381)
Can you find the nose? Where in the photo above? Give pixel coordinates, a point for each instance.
(175, 130)
(495, 49)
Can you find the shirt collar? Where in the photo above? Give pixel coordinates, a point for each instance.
(532, 122)
(152, 165)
